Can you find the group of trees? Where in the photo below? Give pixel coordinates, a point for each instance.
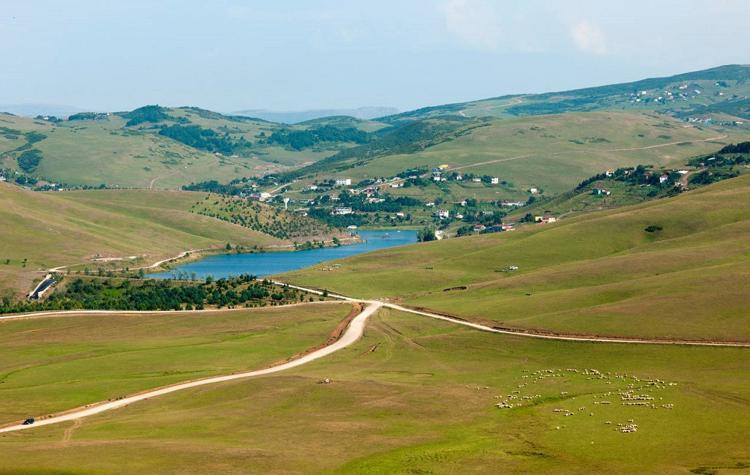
(111, 294)
(204, 139)
(259, 217)
(300, 139)
(29, 160)
(153, 114)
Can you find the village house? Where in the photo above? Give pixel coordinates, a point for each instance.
(544, 219)
(600, 192)
(476, 180)
(341, 210)
(478, 228)
(343, 182)
(663, 178)
(507, 203)
(494, 180)
(443, 214)
(533, 190)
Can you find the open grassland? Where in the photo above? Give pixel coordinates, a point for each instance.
(599, 274)
(419, 396)
(44, 230)
(54, 364)
(93, 152)
(556, 152)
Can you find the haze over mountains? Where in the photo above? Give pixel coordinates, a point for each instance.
(294, 117)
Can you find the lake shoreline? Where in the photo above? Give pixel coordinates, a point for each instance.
(264, 262)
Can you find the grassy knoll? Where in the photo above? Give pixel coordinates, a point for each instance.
(53, 364)
(418, 396)
(43, 230)
(131, 149)
(556, 152)
(91, 152)
(599, 273)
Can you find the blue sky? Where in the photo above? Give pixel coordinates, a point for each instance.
(228, 55)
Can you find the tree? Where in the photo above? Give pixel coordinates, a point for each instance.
(426, 234)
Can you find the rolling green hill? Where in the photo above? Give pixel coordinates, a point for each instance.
(552, 152)
(156, 147)
(44, 230)
(670, 268)
(414, 395)
(683, 94)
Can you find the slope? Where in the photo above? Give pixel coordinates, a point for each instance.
(684, 94)
(670, 268)
(419, 396)
(43, 230)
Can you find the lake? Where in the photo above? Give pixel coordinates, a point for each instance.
(269, 263)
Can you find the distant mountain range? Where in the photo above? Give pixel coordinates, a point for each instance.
(294, 117)
(33, 110)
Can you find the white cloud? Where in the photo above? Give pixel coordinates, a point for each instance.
(589, 38)
(473, 22)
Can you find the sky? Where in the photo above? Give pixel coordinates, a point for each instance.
(229, 55)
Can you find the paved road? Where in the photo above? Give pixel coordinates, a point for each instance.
(352, 334)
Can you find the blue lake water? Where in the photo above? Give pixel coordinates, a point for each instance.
(269, 263)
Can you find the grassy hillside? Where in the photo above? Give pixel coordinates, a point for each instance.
(687, 94)
(550, 152)
(43, 230)
(85, 359)
(419, 396)
(154, 147)
(600, 273)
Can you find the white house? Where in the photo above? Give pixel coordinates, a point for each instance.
(341, 210)
(443, 213)
(494, 180)
(343, 181)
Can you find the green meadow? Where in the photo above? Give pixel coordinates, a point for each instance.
(601, 273)
(556, 152)
(420, 396)
(44, 230)
(84, 359)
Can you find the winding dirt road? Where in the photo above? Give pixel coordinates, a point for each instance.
(542, 336)
(352, 334)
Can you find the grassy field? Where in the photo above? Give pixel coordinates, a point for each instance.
(556, 152)
(95, 152)
(105, 151)
(91, 358)
(599, 273)
(44, 230)
(419, 396)
(715, 92)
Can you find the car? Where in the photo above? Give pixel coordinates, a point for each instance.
(28, 421)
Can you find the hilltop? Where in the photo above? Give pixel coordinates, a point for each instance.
(158, 147)
(684, 94)
(294, 117)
